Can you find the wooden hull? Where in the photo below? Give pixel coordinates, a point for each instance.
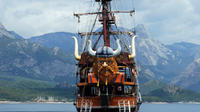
(110, 109)
(113, 104)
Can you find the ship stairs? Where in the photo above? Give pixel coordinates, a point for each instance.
(124, 106)
(86, 106)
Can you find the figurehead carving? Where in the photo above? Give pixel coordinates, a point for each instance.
(105, 66)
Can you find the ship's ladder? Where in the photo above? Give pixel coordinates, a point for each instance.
(124, 106)
(86, 106)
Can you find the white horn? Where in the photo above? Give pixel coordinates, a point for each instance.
(90, 50)
(118, 50)
(132, 48)
(77, 56)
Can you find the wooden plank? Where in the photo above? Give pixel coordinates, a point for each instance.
(112, 33)
(82, 84)
(92, 13)
(129, 83)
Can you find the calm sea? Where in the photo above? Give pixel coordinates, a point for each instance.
(70, 108)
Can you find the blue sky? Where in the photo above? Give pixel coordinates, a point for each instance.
(166, 20)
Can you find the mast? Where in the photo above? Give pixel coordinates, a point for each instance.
(106, 25)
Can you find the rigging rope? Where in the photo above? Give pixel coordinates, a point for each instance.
(121, 40)
(95, 45)
(94, 23)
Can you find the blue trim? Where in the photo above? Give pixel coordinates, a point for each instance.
(122, 78)
(90, 79)
(115, 78)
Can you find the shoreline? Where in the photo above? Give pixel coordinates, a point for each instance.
(171, 102)
(15, 102)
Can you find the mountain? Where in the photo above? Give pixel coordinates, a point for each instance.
(151, 85)
(185, 53)
(188, 55)
(190, 77)
(62, 40)
(15, 35)
(4, 33)
(17, 88)
(167, 63)
(29, 70)
(149, 51)
(20, 57)
(154, 56)
(172, 93)
(156, 91)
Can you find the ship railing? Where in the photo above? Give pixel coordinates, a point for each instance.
(124, 106)
(86, 106)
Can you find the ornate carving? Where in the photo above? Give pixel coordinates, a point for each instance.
(105, 68)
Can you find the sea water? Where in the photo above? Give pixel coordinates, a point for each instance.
(173, 107)
(70, 108)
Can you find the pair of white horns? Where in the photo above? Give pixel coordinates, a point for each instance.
(114, 52)
(93, 53)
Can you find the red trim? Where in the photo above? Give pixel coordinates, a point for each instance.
(92, 78)
(119, 78)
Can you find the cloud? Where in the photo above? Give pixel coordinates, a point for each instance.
(36, 17)
(170, 20)
(166, 20)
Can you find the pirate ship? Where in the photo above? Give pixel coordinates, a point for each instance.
(107, 77)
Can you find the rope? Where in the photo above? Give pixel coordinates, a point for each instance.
(95, 45)
(121, 40)
(94, 23)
